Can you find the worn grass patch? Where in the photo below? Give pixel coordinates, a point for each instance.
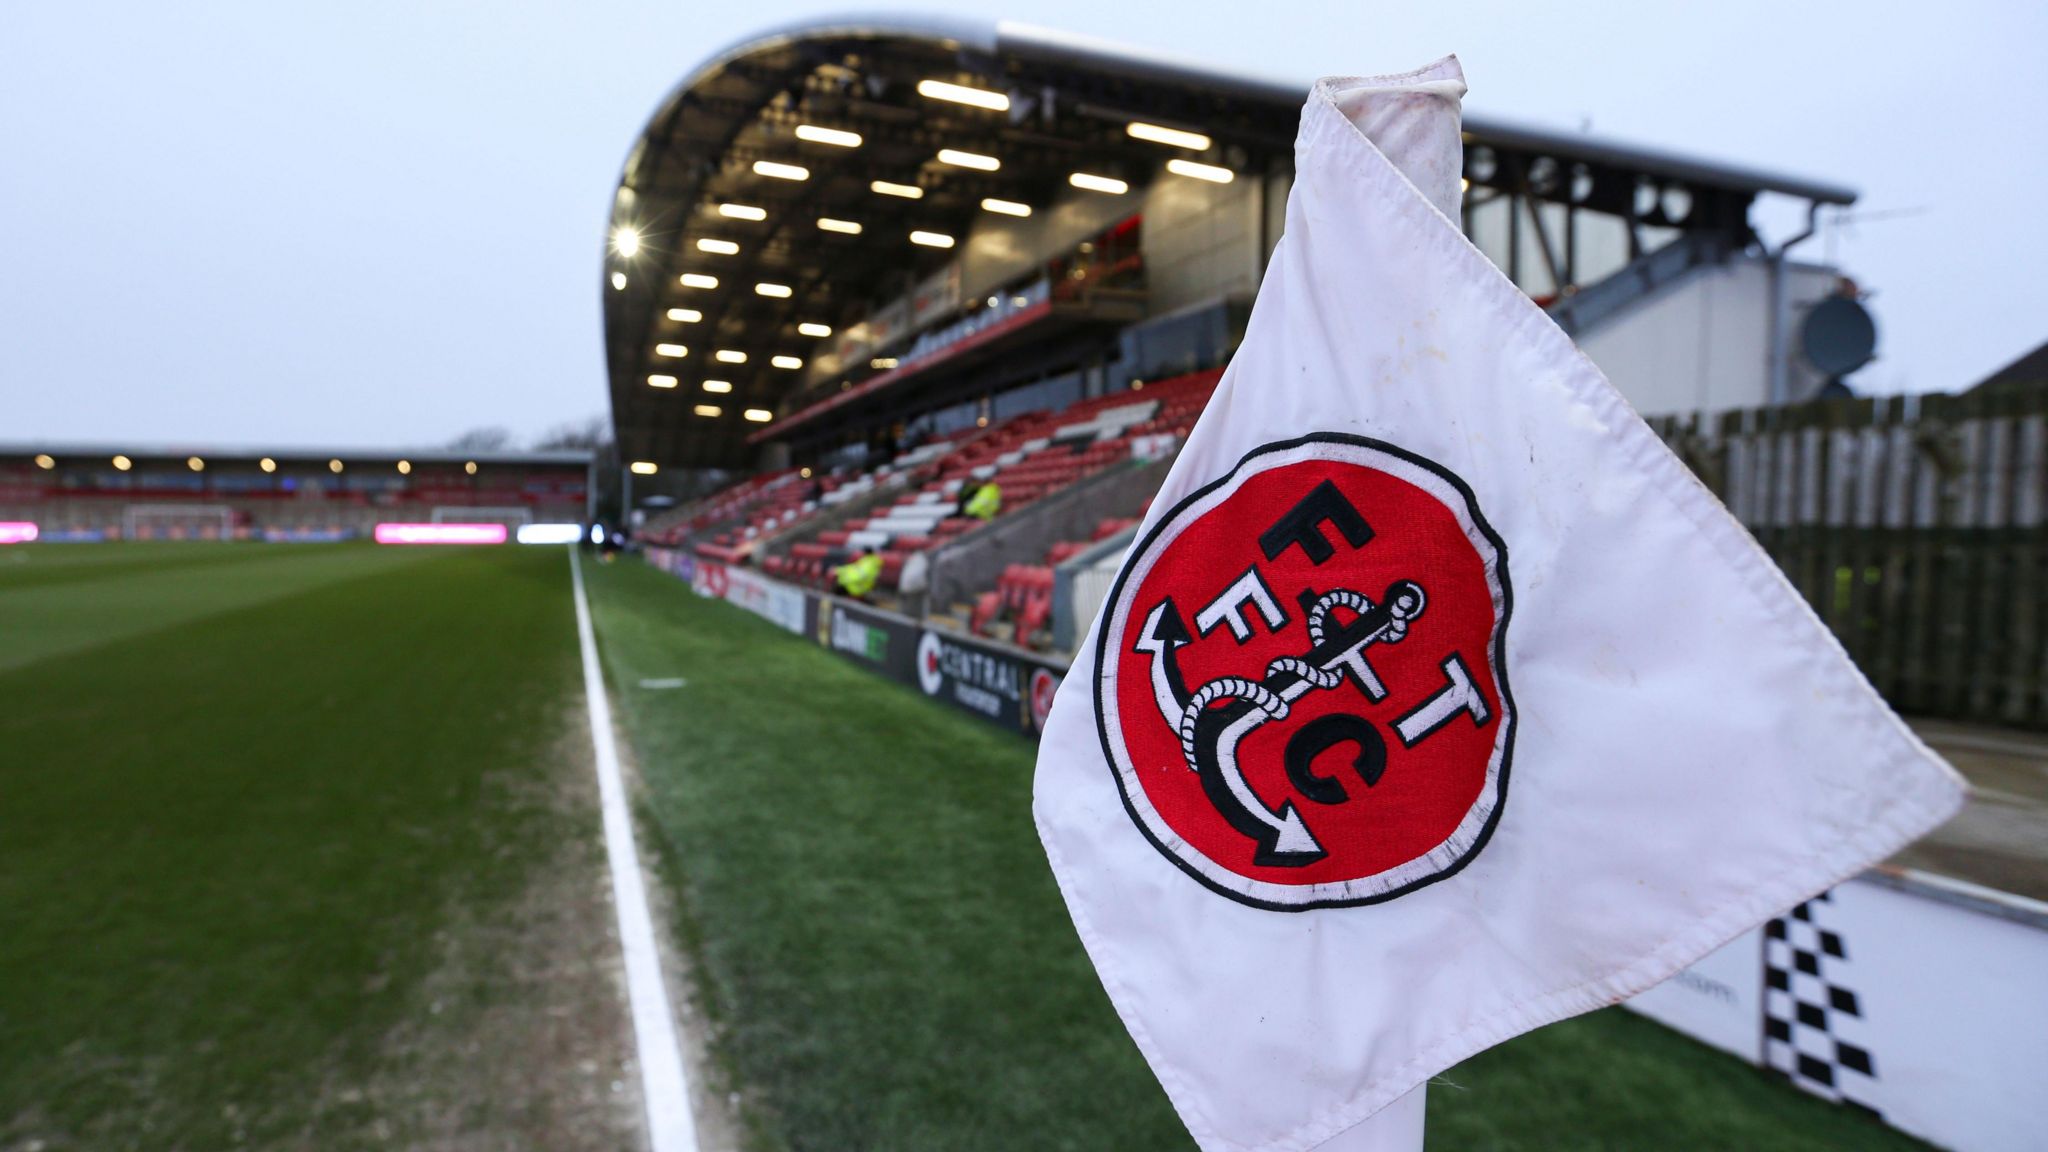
(242, 790)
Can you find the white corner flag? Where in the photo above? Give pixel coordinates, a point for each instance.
(1436, 700)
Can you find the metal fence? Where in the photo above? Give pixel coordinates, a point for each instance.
(1914, 527)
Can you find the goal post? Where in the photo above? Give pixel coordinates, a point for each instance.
(177, 522)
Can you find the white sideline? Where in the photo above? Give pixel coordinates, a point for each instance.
(670, 1127)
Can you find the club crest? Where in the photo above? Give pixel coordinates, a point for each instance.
(1301, 680)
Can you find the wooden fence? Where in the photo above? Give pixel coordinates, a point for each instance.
(1913, 525)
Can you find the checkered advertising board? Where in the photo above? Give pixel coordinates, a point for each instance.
(1919, 1001)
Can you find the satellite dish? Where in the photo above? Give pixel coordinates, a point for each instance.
(1838, 336)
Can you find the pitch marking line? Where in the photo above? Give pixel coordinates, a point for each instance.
(663, 1083)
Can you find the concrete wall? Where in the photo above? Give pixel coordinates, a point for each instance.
(1705, 343)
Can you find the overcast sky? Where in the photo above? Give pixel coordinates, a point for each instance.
(295, 224)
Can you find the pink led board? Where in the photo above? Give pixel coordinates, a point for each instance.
(17, 531)
(440, 533)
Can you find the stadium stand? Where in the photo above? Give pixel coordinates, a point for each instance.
(85, 494)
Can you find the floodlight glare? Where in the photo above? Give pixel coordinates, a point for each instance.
(742, 212)
(626, 241)
(974, 160)
(731, 356)
(809, 329)
(672, 351)
(718, 385)
(906, 191)
(759, 415)
(962, 94)
(849, 227)
(932, 239)
(718, 247)
(644, 468)
(779, 291)
(786, 362)
(781, 171)
(709, 410)
(836, 137)
(1209, 172)
(699, 280)
(659, 380)
(1093, 183)
(1005, 207)
(1159, 134)
(685, 315)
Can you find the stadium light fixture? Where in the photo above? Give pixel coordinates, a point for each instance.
(626, 241)
(672, 351)
(470, 467)
(334, 466)
(1005, 207)
(709, 410)
(778, 291)
(698, 280)
(644, 468)
(405, 467)
(195, 463)
(742, 212)
(46, 461)
(1160, 134)
(806, 472)
(849, 227)
(759, 415)
(619, 281)
(1094, 183)
(808, 328)
(267, 464)
(882, 362)
(718, 386)
(662, 380)
(974, 160)
(685, 315)
(1209, 172)
(837, 137)
(931, 239)
(731, 356)
(906, 191)
(962, 94)
(786, 362)
(781, 171)
(718, 247)
(122, 463)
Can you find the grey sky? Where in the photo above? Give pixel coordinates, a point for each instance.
(278, 224)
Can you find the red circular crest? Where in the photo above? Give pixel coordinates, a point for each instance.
(1301, 679)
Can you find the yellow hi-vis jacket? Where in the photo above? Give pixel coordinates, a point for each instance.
(986, 501)
(857, 577)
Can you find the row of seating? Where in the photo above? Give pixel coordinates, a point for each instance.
(1022, 600)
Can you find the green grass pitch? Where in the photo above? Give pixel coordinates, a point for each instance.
(880, 939)
(242, 787)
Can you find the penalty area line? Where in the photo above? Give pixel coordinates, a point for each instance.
(663, 1082)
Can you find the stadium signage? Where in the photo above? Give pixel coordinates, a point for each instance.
(17, 531)
(843, 632)
(1316, 637)
(441, 534)
(974, 678)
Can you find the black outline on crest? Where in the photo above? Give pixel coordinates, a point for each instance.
(1500, 663)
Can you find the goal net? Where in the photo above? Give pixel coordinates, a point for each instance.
(178, 522)
(510, 517)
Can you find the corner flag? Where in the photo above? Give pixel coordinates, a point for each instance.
(1436, 701)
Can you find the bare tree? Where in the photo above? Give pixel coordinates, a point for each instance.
(482, 440)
